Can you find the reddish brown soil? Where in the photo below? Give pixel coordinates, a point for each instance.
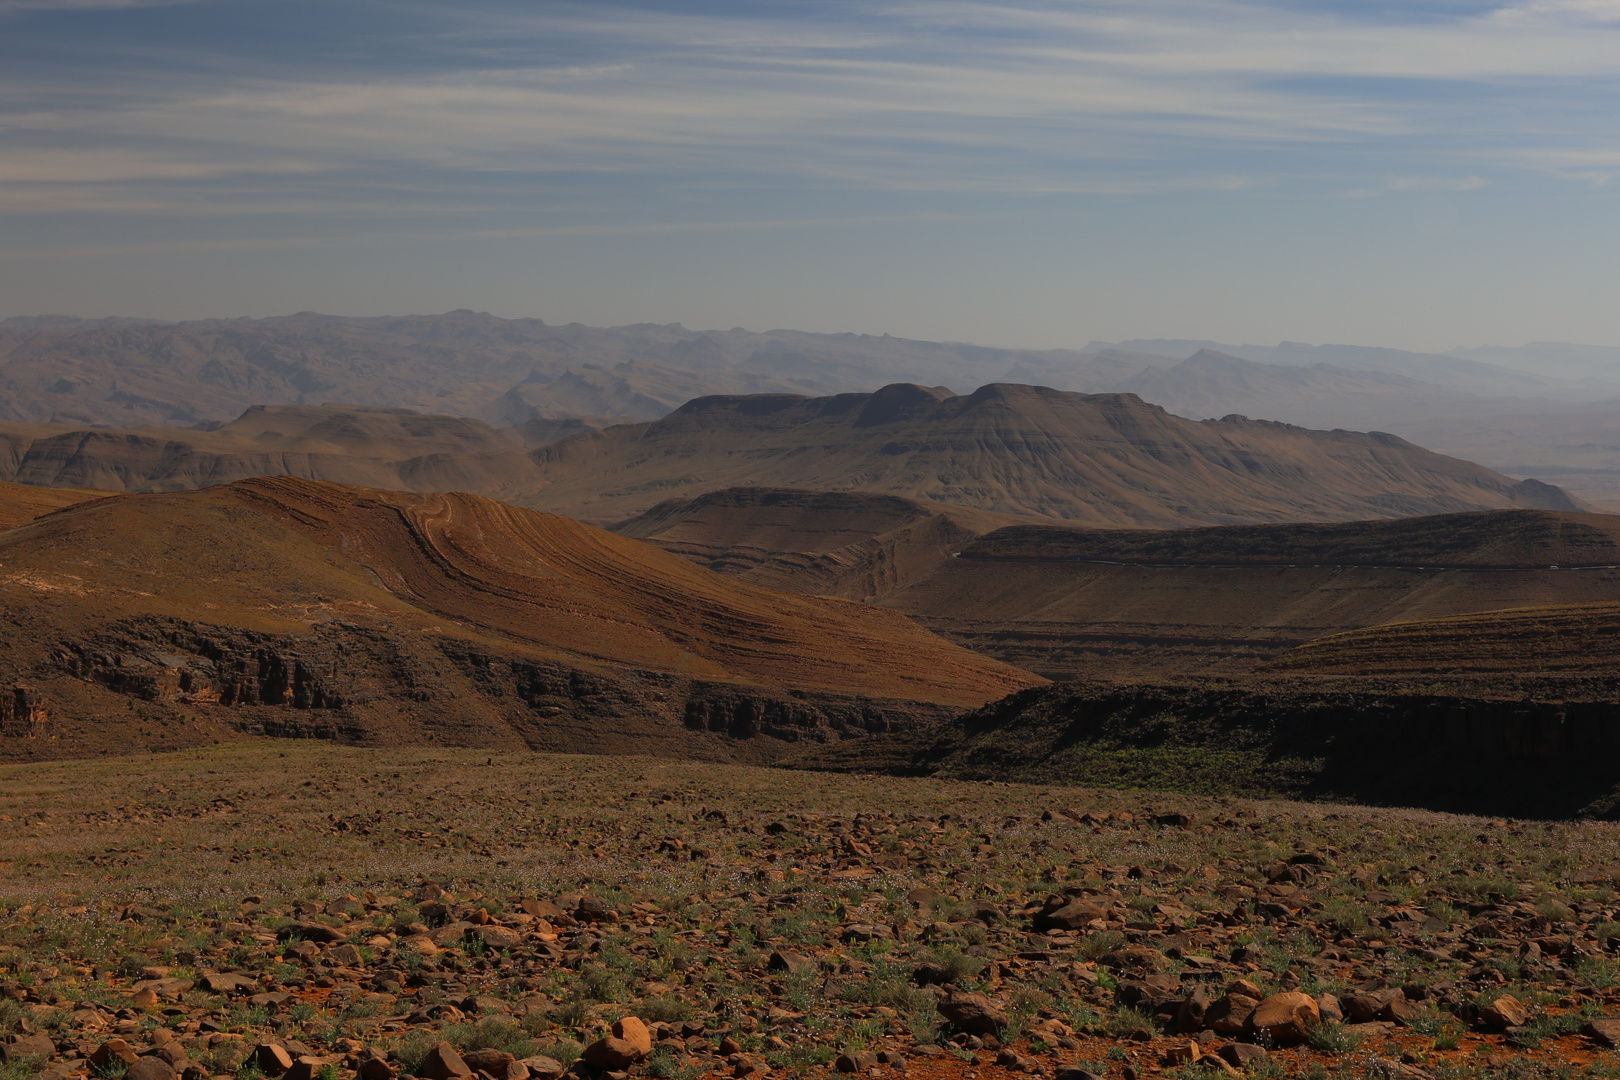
(441, 602)
(21, 503)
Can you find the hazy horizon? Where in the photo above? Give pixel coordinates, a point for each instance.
(1192, 343)
(1421, 176)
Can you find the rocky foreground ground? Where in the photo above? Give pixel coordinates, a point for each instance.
(295, 909)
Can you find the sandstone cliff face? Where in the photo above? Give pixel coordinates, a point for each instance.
(359, 685)
(22, 713)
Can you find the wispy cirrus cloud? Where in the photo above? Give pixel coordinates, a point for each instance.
(923, 95)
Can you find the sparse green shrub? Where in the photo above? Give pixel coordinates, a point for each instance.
(490, 1033)
(666, 1008)
(1099, 943)
(572, 1013)
(957, 964)
(1333, 1038)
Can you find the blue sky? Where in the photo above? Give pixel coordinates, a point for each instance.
(1418, 174)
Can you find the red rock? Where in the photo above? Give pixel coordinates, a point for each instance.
(1505, 1012)
(974, 1013)
(272, 1058)
(493, 1062)
(150, 1068)
(1285, 1017)
(443, 1063)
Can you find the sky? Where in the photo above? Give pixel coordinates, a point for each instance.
(1423, 174)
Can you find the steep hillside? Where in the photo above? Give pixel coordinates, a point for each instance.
(389, 617)
(1103, 459)
(855, 544)
(1126, 604)
(1564, 639)
(20, 504)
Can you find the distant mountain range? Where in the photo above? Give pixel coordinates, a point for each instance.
(135, 373)
(556, 380)
(1010, 449)
(1014, 449)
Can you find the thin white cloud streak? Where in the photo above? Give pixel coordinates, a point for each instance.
(501, 233)
(20, 7)
(933, 96)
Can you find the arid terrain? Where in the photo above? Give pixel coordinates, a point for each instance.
(284, 606)
(1009, 449)
(1113, 605)
(263, 908)
(632, 712)
(1100, 459)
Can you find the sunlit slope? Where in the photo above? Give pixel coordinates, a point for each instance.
(281, 553)
(22, 503)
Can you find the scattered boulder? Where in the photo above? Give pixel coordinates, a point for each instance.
(543, 1068)
(1230, 1015)
(443, 1063)
(27, 1048)
(1505, 1012)
(375, 1068)
(491, 1061)
(975, 1013)
(1241, 1055)
(790, 962)
(1605, 1032)
(497, 937)
(272, 1058)
(111, 1051)
(304, 1068)
(627, 1042)
(1286, 1017)
(1068, 914)
(150, 1068)
(229, 984)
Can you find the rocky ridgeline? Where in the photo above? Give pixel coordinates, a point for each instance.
(813, 959)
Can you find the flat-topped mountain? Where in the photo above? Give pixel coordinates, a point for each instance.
(1565, 639)
(1503, 539)
(392, 617)
(1009, 449)
(1107, 459)
(1117, 604)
